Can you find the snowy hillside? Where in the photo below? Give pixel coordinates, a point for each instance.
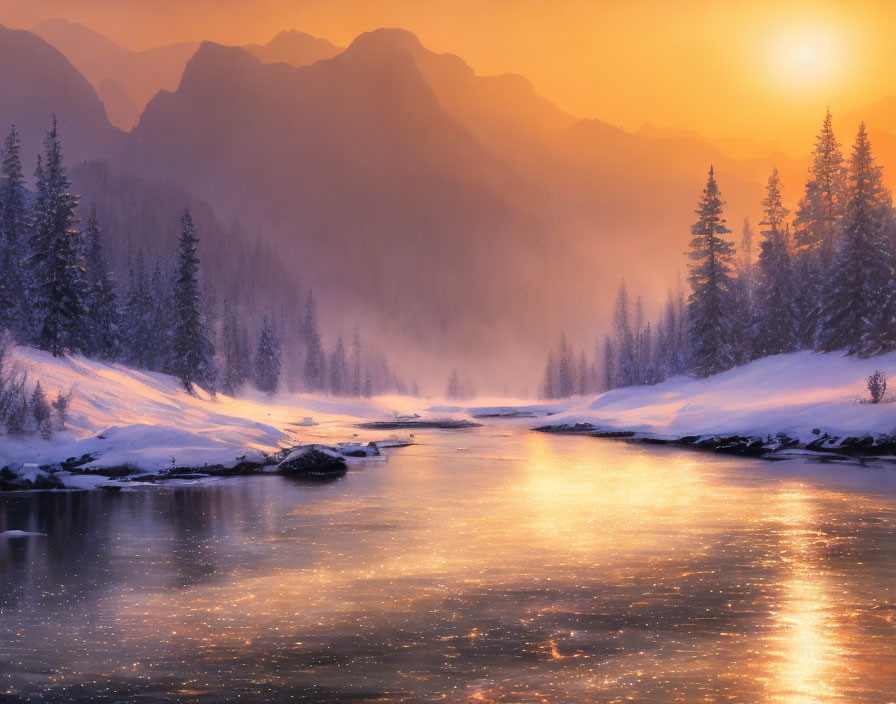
(791, 393)
(126, 416)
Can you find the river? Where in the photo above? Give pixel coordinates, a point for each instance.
(491, 565)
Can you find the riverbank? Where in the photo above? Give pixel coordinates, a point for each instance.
(803, 402)
(128, 423)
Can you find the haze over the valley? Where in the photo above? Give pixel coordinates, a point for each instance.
(462, 208)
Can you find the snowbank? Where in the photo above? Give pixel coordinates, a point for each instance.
(789, 393)
(128, 417)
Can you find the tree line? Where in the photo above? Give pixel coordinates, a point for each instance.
(824, 280)
(58, 293)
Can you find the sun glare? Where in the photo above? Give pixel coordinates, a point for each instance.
(805, 59)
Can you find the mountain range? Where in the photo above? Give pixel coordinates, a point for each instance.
(462, 216)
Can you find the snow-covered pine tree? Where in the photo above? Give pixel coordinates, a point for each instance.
(625, 364)
(609, 364)
(549, 384)
(743, 292)
(775, 323)
(824, 201)
(13, 224)
(161, 294)
(267, 359)
(314, 370)
(40, 411)
(367, 387)
(640, 352)
(229, 349)
(136, 319)
(356, 363)
(566, 368)
(243, 363)
(57, 298)
(583, 377)
(741, 334)
(192, 354)
(339, 378)
(667, 338)
(596, 369)
(683, 351)
(102, 303)
(857, 290)
(746, 265)
(711, 318)
(643, 342)
(816, 230)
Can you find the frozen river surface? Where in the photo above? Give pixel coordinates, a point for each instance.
(491, 565)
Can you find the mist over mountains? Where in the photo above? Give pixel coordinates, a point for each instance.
(462, 217)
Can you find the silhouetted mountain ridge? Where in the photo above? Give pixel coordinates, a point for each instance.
(38, 81)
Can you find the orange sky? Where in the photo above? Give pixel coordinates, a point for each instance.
(764, 70)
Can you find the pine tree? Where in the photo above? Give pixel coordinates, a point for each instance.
(683, 351)
(267, 359)
(746, 266)
(55, 267)
(313, 372)
(102, 302)
(650, 373)
(243, 362)
(816, 228)
(710, 314)
(640, 353)
(857, 290)
(610, 374)
(667, 342)
(41, 412)
(234, 350)
(624, 341)
(192, 354)
(743, 291)
(229, 348)
(339, 379)
(161, 320)
(13, 223)
(356, 363)
(137, 332)
(583, 380)
(823, 203)
(775, 328)
(566, 369)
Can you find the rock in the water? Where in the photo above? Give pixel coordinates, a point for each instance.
(356, 449)
(580, 428)
(313, 459)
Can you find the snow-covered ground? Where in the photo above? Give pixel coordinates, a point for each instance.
(124, 416)
(790, 393)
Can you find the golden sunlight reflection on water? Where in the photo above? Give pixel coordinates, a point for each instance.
(501, 566)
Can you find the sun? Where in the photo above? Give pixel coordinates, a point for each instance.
(804, 58)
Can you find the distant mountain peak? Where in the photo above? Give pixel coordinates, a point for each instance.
(294, 47)
(213, 60)
(291, 35)
(387, 39)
